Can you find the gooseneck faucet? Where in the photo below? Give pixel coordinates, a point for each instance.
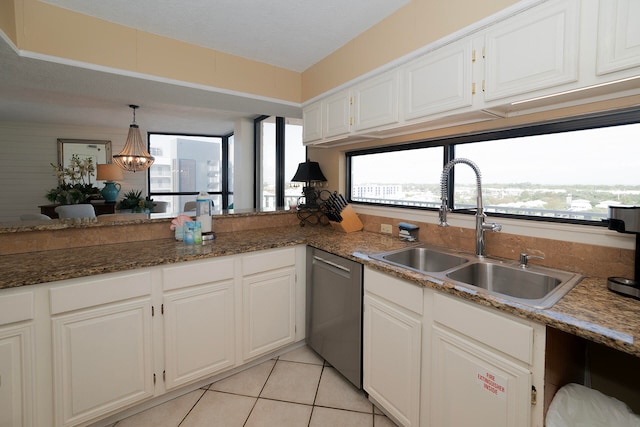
(481, 226)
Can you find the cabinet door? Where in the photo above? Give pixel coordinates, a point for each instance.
(391, 359)
(199, 332)
(102, 360)
(336, 115)
(312, 121)
(16, 364)
(376, 102)
(535, 50)
(268, 311)
(492, 391)
(618, 35)
(441, 81)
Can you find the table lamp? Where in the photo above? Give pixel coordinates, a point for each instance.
(309, 172)
(109, 173)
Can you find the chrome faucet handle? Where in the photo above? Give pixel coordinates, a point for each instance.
(443, 215)
(524, 259)
(492, 226)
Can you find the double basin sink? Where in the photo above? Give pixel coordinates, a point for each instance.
(535, 286)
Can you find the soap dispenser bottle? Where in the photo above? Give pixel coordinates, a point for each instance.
(204, 210)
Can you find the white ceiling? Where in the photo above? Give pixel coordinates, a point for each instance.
(285, 33)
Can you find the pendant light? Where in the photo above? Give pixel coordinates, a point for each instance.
(134, 156)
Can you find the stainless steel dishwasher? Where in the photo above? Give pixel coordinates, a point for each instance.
(334, 312)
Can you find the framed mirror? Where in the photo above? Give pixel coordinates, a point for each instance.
(98, 150)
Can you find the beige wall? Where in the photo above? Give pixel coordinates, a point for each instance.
(419, 23)
(49, 30)
(7, 19)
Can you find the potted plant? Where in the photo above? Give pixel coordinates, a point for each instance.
(134, 202)
(74, 182)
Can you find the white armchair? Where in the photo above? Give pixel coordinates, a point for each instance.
(76, 211)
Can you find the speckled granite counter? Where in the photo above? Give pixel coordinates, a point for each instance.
(589, 310)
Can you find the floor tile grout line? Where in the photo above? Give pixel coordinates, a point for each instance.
(191, 409)
(261, 390)
(313, 406)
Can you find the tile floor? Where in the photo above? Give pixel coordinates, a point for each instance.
(295, 389)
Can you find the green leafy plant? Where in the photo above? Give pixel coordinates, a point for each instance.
(74, 182)
(133, 200)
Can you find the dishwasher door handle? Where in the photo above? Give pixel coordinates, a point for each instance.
(333, 264)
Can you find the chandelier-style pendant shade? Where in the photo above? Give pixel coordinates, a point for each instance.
(134, 156)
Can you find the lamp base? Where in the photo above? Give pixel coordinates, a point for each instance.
(110, 191)
(310, 198)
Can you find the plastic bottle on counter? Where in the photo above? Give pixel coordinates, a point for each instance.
(204, 210)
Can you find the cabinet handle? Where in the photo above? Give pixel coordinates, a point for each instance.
(473, 88)
(473, 55)
(534, 395)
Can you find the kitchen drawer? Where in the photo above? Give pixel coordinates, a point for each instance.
(84, 293)
(16, 307)
(404, 294)
(197, 273)
(496, 331)
(268, 260)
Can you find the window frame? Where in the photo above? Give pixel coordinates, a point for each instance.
(226, 191)
(589, 121)
(280, 160)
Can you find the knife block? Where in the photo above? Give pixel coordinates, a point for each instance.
(350, 221)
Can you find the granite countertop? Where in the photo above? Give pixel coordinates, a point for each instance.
(589, 310)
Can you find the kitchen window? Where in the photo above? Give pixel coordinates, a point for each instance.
(188, 164)
(279, 150)
(568, 171)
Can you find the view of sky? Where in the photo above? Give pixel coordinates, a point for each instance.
(605, 156)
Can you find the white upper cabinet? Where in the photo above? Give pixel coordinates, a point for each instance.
(312, 119)
(375, 102)
(336, 115)
(537, 49)
(555, 53)
(618, 36)
(439, 82)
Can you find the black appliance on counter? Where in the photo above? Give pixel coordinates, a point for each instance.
(334, 312)
(626, 219)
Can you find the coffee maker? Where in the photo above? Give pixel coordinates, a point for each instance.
(626, 219)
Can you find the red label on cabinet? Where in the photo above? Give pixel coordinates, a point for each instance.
(491, 384)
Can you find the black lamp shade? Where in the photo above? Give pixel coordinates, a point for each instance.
(308, 171)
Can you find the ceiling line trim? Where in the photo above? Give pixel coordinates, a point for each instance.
(126, 73)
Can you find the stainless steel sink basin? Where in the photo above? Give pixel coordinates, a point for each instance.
(421, 259)
(535, 286)
(506, 280)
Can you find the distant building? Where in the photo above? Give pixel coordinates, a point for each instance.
(377, 191)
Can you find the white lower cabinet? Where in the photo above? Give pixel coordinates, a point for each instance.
(199, 320)
(268, 301)
(485, 362)
(392, 330)
(16, 360)
(102, 346)
(123, 338)
(434, 360)
(471, 386)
